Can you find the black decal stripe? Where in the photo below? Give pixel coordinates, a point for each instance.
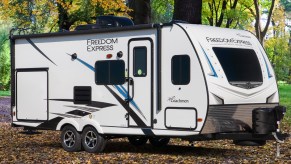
(148, 132)
(67, 100)
(66, 115)
(78, 113)
(51, 124)
(83, 108)
(30, 41)
(96, 104)
(134, 116)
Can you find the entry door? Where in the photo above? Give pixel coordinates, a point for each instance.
(140, 82)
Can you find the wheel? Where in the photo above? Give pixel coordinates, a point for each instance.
(71, 139)
(159, 142)
(137, 140)
(92, 142)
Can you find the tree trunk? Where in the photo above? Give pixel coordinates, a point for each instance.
(63, 22)
(188, 10)
(141, 11)
(261, 32)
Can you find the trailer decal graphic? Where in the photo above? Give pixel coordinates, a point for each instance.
(124, 94)
(92, 110)
(78, 113)
(209, 63)
(51, 124)
(96, 104)
(33, 45)
(269, 74)
(134, 116)
(66, 115)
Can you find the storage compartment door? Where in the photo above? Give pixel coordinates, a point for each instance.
(32, 95)
(181, 118)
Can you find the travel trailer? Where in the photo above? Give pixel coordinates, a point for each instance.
(145, 82)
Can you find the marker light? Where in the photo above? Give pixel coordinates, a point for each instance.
(108, 56)
(199, 120)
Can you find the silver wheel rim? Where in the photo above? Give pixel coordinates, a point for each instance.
(69, 139)
(91, 139)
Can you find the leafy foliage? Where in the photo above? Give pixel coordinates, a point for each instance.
(277, 46)
(4, 58)
(162, 10)
(227, 13)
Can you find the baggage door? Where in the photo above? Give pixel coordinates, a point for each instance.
(140, 79)
(32, 94)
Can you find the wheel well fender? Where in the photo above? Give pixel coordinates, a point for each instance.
(69, 121)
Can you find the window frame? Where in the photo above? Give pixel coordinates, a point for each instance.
(146, 62)
(172, 68)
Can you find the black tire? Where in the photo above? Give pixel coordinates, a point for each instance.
(92, 141)
(137, 140)
(249, 143)
(159, 142)
(70, 139)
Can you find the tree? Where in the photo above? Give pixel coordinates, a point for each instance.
(53, 15)
(162, 11)
(277, 46)
(188, 10)
(75, 12)
(259, 7)
(225, 13)
(4, 57)
(141, 11)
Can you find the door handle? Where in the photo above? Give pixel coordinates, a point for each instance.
(130, 83)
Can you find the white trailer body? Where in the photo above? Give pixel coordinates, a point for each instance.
(174, 80)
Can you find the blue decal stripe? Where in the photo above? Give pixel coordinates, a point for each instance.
(86, 64)
(124, 94)
(211, 66)
(269, 74)
(122, 91)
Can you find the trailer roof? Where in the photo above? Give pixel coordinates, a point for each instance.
(101, 30)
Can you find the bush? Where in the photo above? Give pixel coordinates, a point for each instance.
(4, 60)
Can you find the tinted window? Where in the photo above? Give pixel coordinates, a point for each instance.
(180, 69)
(140, 61)
(109, 72)
(239, 65)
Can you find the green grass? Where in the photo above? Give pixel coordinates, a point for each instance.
(4, 93)
(285, 98)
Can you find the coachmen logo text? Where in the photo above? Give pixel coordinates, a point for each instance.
(228, 41)
(101, 44)
(173, 99)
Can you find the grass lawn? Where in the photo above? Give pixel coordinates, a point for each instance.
(285, 98)
(4, 93)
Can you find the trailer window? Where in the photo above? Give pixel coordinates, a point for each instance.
(239, 65)
(180, 69)
(140, 61)
(109, 72)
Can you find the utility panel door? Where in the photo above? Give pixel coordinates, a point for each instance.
(140, 77)
(32, 95)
